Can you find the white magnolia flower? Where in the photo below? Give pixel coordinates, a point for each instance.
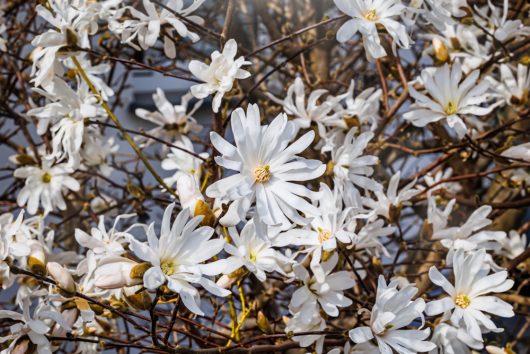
(513, 245)
(363, 108)
(468, 236)
(72, 24)
(366, 16)
(253, 250)
(502, 28)
(220, 75)
(266, 165)
(31, 326)
(67, 112)
(331, 224)
(45, 185)
(327, 293)
(304, 113)
(146, 28)
(182, 161)
(115, 272)
(103, 242)
(439, 12)
(188, 190)
(430, 180)
(97, 150)
(173, 121)
(453, 340)
(177, 258)
(352, 169)
(513, 89)
(300, 324)
(389, 205)
(394, 310)
(449, 98)
(520, 152)
(93, 73)
(468, 299)
(368, 237)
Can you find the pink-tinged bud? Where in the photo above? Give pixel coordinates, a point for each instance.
(62, 277)
(115, 273)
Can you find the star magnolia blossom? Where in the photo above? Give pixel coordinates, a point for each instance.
(177, 258)
(147, 27)
(322, 114)
(352, 169)
(469, 236)
(173, 121)
(32, 327)
(182, 161)
(449, 98)
(390, 204)
(327, 294)
(393, 310)
(452, 340)
(266, 165)
(468, 299)
(220, 75)
(366, 16)
(254, 251)
(45, 185)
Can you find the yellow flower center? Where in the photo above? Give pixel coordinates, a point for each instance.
(462, 300)
(451, 108)
(371, 15)
(323, 235)
(168, 267)
(252, 257)
(262, 174)
(46, 177)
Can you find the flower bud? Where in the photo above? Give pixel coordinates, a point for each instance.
(62, 277)
(37, 259)
(440, 50)
(115, 273)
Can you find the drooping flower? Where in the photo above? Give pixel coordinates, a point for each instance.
(366, 16)
(45, 186)
(468, 298)
(220, 75)
(266, 165)
(177, 258)
(394, 310)
(449, 99)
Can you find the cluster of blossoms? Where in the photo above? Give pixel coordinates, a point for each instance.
(306, 221)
